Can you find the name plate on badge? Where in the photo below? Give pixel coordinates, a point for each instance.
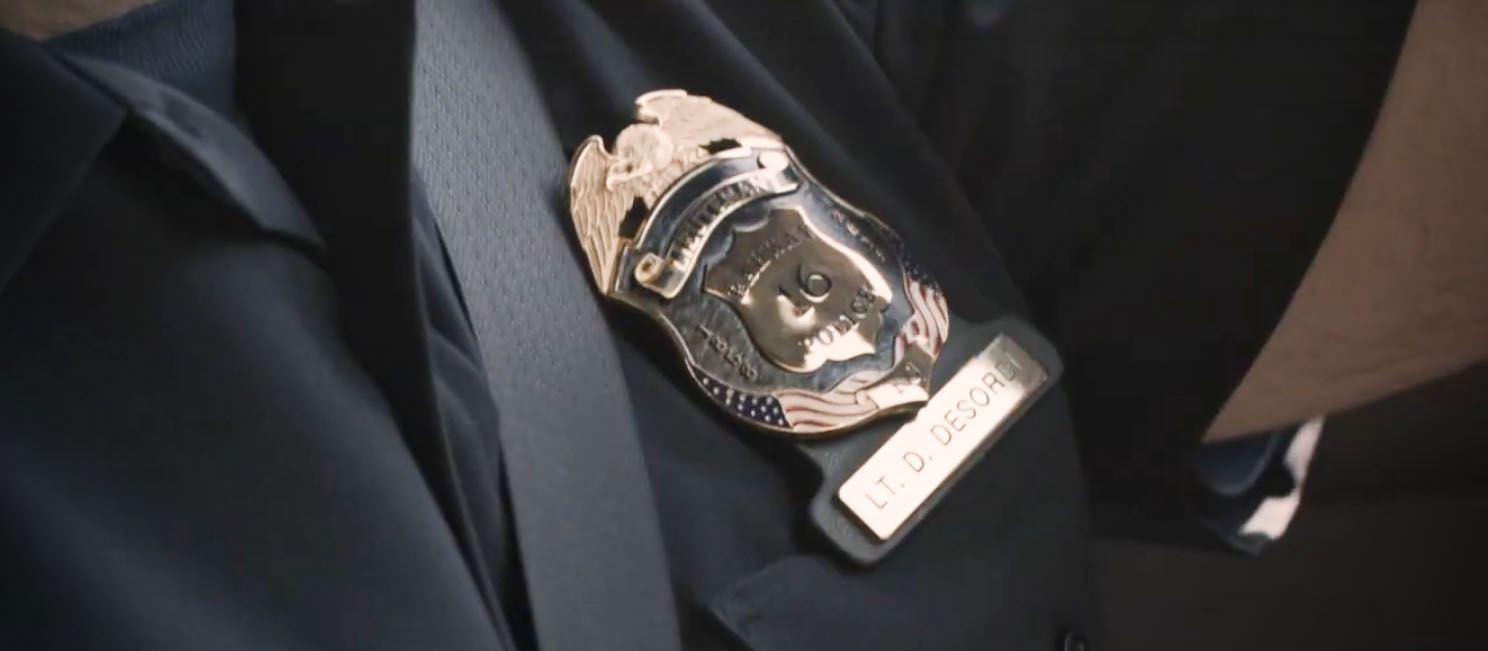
(959, 419)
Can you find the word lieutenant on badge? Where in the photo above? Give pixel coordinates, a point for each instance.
(794, 311)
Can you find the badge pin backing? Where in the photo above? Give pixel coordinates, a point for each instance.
(800, 314)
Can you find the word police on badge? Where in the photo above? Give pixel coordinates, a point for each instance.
(793, 310)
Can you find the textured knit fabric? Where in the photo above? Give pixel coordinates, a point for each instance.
(189, 45)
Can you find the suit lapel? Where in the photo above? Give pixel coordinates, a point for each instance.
(326, 90)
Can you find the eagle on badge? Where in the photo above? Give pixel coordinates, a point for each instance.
(673, 133)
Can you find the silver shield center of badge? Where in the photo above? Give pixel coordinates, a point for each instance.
(794, 311)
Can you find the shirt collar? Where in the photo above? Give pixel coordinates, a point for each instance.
(54, 125)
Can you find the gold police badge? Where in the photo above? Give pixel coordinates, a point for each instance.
(794, 311)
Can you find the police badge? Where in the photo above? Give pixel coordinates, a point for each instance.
(794, 311)
(799, 313)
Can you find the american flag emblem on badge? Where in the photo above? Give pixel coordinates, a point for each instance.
(930, 325)
(927, 328)
(805, 411)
